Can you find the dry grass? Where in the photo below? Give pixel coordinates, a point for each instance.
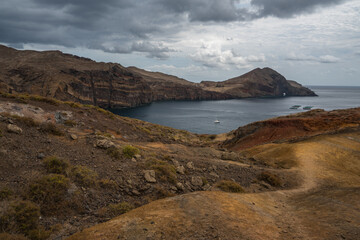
(84, 176)
(57, 165)
(270, 178)
(165, 172)
(230, 186)
(130, 151)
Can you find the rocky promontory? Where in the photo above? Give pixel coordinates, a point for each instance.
(71, 78)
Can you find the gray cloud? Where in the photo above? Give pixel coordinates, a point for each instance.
(126, 26)
(308, 58)
(289, 8)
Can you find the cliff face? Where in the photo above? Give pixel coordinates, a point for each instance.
(68, 77)
(259, 83)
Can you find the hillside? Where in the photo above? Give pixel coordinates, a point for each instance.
(66, 167)
(70, 78)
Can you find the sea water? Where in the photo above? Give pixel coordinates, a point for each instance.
(199, 116)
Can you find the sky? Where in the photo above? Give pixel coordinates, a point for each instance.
(315, 42)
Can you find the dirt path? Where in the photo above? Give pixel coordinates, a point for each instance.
(325, 206)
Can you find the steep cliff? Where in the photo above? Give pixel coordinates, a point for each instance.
(264, 82)
(71, 78)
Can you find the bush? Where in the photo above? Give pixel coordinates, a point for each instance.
(114, 210)
(114, 152)
(230, 186)
(108, 184)
(54, 164)
(270, 178)
(83, 176)
(49, 190)
(51, 128)
(130, 151)
(165, 171)
(5, 194)
(22, 216)
(30, 122)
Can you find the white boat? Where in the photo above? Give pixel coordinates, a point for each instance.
(216, 121)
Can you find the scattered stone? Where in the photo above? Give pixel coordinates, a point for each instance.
(62, 116)
(135, 192)
(206, 187)
(190, 165)
(41, 156)
(229, 156)
(175, 162)
(10, 121)
(12, 128)
(180, 169)
(73, 137)
(104, 143)
(133, 160)
(150, 176)
(137, 156)
(196, 181)
(213, 174)
(173, 188)
(180, 186)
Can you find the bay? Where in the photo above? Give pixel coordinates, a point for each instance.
(199, 116)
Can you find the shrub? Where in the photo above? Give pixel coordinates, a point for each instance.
(22, 216)
(49, 190)
(270, 178)
(108, 184)
(0, 133)
(30, 122)
(83, 176)
(165, 171)
(114, 210)
(54, 164)
(114, 152)
(51, 128)
(130, 151)
(5, 194)
(73, 104)
(230, 186)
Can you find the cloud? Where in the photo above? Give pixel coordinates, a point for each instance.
(289, 8)
(215, 57)
(309, 58)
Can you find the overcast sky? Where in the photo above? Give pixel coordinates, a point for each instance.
(315, 42)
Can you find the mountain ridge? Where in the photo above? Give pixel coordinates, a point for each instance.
(110, 85)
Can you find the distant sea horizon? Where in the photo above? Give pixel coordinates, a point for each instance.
(199, 116)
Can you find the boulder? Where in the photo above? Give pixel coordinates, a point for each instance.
(196, 181)
(190, 165)
(180, 169)
(104, 143)
(150, 176)
(12, 128)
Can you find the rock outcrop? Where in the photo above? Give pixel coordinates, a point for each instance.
(71, 78)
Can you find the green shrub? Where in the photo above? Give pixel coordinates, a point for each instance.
(84, 176)
(49, 190)
(54, 164)
(114, 210)
(22, 216)
(164, 171)
(5, 194)
(270, 178)
(230, 186)
(51, 128)
(130, 151)
(114, 152)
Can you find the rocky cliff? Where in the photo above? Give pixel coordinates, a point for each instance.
(71, 78)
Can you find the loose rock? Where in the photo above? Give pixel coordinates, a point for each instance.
(12, 128)
(104, 143)
(73, 137)
(150, 176)
(197, 181)
(190, 165)
(180, 169)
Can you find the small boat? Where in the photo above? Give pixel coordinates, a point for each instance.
(307, 107)
(295, 107)
(216, 121)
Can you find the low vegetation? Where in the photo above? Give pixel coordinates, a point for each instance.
(114, 152)
(230, 186)
(130, 151)
(83, 176)
(164, 171)
(114, 210)
(51, 128)
(49, 191)
(5, 194)
(57, 165)
(270, 178)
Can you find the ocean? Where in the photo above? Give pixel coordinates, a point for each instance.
(199, 116)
